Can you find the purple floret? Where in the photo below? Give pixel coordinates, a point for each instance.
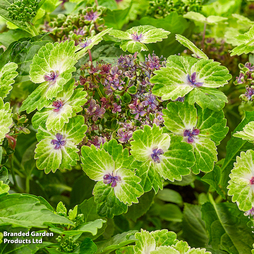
(58, 142)
(191, 134)
(111, 179)
(192, 80)
(156, 155)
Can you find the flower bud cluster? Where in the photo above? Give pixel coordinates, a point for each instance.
(23, 10)
(88, 22)
(162, 8)
(121, 98)
(246, 78)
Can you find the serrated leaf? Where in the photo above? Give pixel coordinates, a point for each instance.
(58, 149)
(183, 75)
(241, 184)
(145, 244)
(5, 119)
(61, 109)
(225, 223)
(159, 154)
(247, 133)
(24, 210)
(112, 163)
(191, 46)
(135, 38)
(7, 75)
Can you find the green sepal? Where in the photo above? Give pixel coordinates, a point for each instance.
(191, 46)
(148, 34)
(5, 119)
(113, 160)
(170, 166)
(108, 205)
(7, 75)
(172, 81)
(72, 101)
(58, 58)
(179, 117)
(48, 157)
(240, 184)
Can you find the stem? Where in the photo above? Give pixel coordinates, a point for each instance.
(90, 56)
(27, 184)
(96, 2)
(203, 39)
(12, 141)
(13, 174)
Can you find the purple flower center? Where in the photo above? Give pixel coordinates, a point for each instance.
(91, 15)
(249, 93)
(51, 77)
(252, 180)
(111, 179)
(191, 134)
(58, 105)
(192, 80)
(156, 154)
(250, 212)
(58, 142)
(136, 37)
(86, 43)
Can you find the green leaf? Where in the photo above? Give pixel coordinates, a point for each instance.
(137, 210)
(247, 133)
(107, 203)
(233, 149)
(112, 161)
(201, 18)
(89, 227)
(58, 149)
(191, 46)
(160, 154)
(135, 38)
(24, 210)
(242, 181)
(117, 18)
(116, 242)
(5, 119)
(169, 195)
(194, 230)
(61, 109)
(244, 43)
(183, 75)
(4, 188)
(88, 208)
(171, 212)
(183, 248)
(213, 178)
(225, 223)
(82, 48)
(7, 75)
